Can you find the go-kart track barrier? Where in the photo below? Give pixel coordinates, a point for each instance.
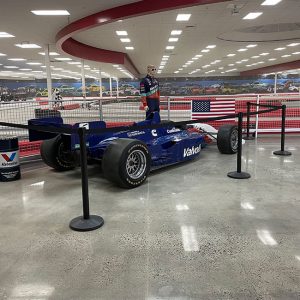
(88, 222)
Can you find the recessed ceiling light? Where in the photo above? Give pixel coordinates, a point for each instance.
(5, 35)
(16, 59)
(264, 54)
(121, 32)
(173, 39)
(183, 17)
(242, 50)
(205, 50)
(279, 49)
(271, 2)
(293, 44)
(231, 54)
(252, 16)
(286, 55)
(74, 63)
(170, 47)
(51, 12)
(28, 46)
(125, 40)
(50, 53)
(271, 59)
(33, 63)
(176, 32)
(251, 46)
(11, 67)
(63, 58)
(129, 48)
(211, 46)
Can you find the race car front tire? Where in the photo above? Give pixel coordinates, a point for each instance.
(227, 139)
(55, 155)
(126, 162)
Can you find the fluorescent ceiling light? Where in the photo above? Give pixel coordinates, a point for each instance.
(121, 32)
(271, 2)
(176, 32)
(242, 50)
(205, 50)
(183, 17)
(184, 66)
(195, 58)
(264, 54)
(37, 71)
(279, 49)
(129, 48)
(161, 67)
(74, 63)
(293, 44)
(231, 54)
(199, 55)
(255, 56)
(50, 12)
(10, 67)
(28, 46)
(33, 63)
(221, 68)
(271, 59)
(244, 59)
(170, 47)
(251, 46)
(180, 69)
(25, 69)
(230, 65)
(163, 63)
(16, 59)
(63, 58)
(238, 62)
(286, 55)
(5, 35)
(252, 16)
(2, 54)
(211, 46)
(50, 53)
(165, 58)
(173, 39)
(295, 53)
(176, 72)
(125, 40)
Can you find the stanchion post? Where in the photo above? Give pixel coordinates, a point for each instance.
(239, 174)
(248, 137)
(282, 152)
(169, 107)
(86, 222)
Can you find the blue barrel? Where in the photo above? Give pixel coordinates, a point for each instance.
(9, 159)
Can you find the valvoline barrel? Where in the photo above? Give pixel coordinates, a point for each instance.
(9, 159)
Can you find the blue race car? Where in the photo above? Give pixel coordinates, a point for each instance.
(128, 156)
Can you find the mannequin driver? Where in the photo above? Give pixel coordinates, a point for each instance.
(149, 89)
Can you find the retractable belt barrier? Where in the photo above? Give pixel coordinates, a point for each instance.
(88, 222)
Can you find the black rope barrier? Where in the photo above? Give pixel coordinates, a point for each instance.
(86, 222)
(238, 174)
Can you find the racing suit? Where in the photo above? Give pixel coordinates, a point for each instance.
(149, 89)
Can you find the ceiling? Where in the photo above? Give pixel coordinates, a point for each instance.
(219, 24)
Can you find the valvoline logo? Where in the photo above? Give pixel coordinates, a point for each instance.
(9, 158)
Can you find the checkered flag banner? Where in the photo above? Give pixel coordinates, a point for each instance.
(210, 108)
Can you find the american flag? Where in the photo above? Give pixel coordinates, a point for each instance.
(210, 108)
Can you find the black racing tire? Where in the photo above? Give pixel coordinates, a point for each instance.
(126, 162)
(227, 139)
(56, 156)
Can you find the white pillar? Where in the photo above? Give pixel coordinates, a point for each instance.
(117, 80)
(100, 83)
(110, 87)
(83, 79)
(48, 72)
(275, 84)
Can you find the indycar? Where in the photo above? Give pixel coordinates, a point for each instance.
(127, 156)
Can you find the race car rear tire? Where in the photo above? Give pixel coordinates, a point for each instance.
(227, 139)
(126, 162)
(56, 156)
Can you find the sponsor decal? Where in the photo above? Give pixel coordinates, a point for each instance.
(191, 151)
(135, 133)
(173, 130)
(153, 132)
(85, 125)
(9, 159)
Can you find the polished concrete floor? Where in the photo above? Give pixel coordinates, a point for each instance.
(189, 232)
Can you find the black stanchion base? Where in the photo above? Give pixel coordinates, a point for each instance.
(81, 224)
(283, 153)
(237, 175)
(248, 138)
